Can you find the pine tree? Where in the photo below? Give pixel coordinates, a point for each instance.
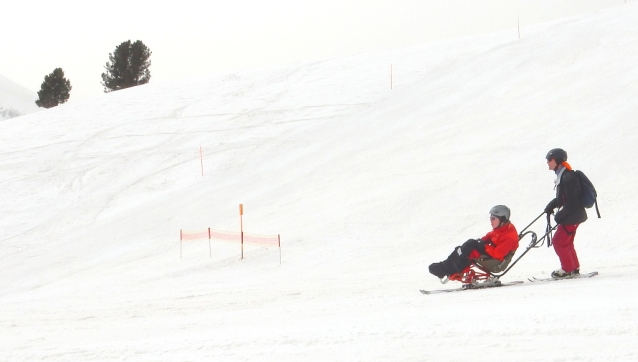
(54, 90)
(127, 66)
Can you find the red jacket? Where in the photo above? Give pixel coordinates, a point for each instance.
(501, 241)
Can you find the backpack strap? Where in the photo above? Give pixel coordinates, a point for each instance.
(597, 212)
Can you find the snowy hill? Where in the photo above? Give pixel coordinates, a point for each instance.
(15, 100)
(367, 185)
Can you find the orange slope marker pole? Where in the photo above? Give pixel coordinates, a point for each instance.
(241, 228)
(279, 243)
(210, 248)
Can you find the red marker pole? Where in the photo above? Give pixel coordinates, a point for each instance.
(241, 228)
(279, 244)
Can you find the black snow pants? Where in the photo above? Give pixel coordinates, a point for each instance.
(458, 260)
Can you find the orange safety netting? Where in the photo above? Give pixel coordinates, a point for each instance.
(194, 235)
(225, 235)
(267, 240)
(261, 239)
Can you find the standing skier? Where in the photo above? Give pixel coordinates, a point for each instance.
(570, 214)
(497, 244)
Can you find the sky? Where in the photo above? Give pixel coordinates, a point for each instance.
(366, 185)
(192, 38)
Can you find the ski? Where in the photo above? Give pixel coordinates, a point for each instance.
(472, 287)
(550, 279)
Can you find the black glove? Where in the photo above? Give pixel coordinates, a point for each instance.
(480, 247)
(549, 209)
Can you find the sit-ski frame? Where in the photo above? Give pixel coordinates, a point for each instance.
(477, 276)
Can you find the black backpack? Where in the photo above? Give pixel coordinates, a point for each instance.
(588, 192)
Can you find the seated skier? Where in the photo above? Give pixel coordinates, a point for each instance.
(497, 244)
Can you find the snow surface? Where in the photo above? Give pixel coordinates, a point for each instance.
(15, 100)
(367, 186)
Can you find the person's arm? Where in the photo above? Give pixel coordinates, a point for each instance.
(501, 250)
(549, 209)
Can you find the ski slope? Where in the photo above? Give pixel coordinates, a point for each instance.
(367, 186)
(15, 100)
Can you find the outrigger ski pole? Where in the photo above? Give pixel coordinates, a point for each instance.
(535, 243)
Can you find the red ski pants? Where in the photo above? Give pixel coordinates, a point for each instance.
(563, 241)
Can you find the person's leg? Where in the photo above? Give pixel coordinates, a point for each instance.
(436, 269)
(574, 256)
(471, 245)
(447, 266)
(563, 242)
(457, 261)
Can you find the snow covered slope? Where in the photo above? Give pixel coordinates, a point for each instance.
(15, 100)
(367, 185)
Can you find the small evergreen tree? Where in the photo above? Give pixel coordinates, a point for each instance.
(127, 66)
(54, 90)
